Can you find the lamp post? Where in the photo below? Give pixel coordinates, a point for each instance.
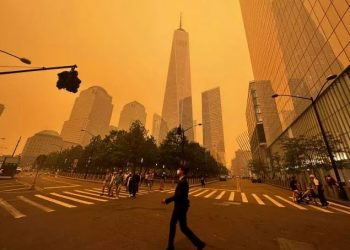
(90, 157)
(22, 59)
(181, 132)
(342, 193)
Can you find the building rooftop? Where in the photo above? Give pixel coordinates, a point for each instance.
(49, 133)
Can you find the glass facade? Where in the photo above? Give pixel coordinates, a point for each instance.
(295, 44)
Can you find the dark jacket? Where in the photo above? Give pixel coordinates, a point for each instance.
(180, 198)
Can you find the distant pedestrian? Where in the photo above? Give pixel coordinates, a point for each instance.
(118, 182)
(293, 184)
(203, 182)
(181, 205)
(162, 181)
(330, 180)
(150, 180)
(112, 184)
(106, 181)
(135, 182)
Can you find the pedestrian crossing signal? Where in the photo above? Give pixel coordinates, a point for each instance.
(68, 80)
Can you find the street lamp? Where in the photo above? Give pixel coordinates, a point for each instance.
(22, 59)
(181, 132)
(342, 192)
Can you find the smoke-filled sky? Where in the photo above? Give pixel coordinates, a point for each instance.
(123, 46)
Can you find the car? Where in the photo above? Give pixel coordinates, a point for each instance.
(222, 178)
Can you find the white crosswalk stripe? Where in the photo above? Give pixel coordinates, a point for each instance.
(339, 210)
(321, 209)
(258, 200)
(232, 196)
(35, 204)
(11, 209)
(210, 194)
(291, 203)
(220, 195)
(72, 198)
(97, 193)
(85, 196)
(244, 198)
(273, 201)
(338, 205)
(61, 203)
(195, 191)
(198, 194)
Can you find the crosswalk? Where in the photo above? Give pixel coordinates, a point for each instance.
(261, 199)
(12, 186)
(52, 201)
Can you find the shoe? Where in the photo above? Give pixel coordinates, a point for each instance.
(201, 246)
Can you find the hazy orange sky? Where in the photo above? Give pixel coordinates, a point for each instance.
(123, 46)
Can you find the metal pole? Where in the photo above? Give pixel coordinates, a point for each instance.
(14, 151)
(38, 69)
(342, 193)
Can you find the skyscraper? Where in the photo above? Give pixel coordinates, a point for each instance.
(157, 128)
(262, 118)
(133, 111)
(92, 113)
(295, 45)
(177, 105)
(213, 130)
(43, 142)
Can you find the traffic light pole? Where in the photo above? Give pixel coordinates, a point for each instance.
(38, 69)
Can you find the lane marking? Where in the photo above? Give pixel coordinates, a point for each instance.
(340, 210)
(273, 201)
(11, 185)
(194, 191)
(258, 200)
(97, 195)
(14, 189)
(85, 196)
(321, 209)
(72, 199)
(171, 192)
(7, 183)
(56, 187)
(291, 203)
(220, 195)
(35, 204)
(244, 198)
(232, 196)
(200, 193)
(11, 209)
(210, 194)
(338, 205)
(61, 203)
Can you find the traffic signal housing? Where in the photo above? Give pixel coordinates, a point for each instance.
(68, 80)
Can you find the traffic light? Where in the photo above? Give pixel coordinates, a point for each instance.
(68, 80)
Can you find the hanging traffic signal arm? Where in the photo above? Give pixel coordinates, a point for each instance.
(66, 80)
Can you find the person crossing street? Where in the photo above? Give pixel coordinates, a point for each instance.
(181, 205)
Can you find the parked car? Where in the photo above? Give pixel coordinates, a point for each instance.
(222, 178)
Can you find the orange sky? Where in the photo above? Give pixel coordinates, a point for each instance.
(123, 46)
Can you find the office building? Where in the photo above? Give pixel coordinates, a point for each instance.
(90, 116)
(42, 143)
(213, 131)
(131, 112)
(177, 105)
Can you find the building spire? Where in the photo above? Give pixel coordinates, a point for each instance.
(180, 21)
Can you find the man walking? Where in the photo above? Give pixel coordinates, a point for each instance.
(181, 205)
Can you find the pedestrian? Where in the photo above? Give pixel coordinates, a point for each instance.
(118, 182)
(162, 181)
(129, 184)
(135, 182)
(111, 184)
(181, 205)
(293, 184)
(106, 181)
(150, 180)
(203, 182)
(330, 180)
(317, 187)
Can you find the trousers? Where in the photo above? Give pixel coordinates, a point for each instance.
(180, 215)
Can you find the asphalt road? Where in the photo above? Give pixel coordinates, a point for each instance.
(68, 214)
